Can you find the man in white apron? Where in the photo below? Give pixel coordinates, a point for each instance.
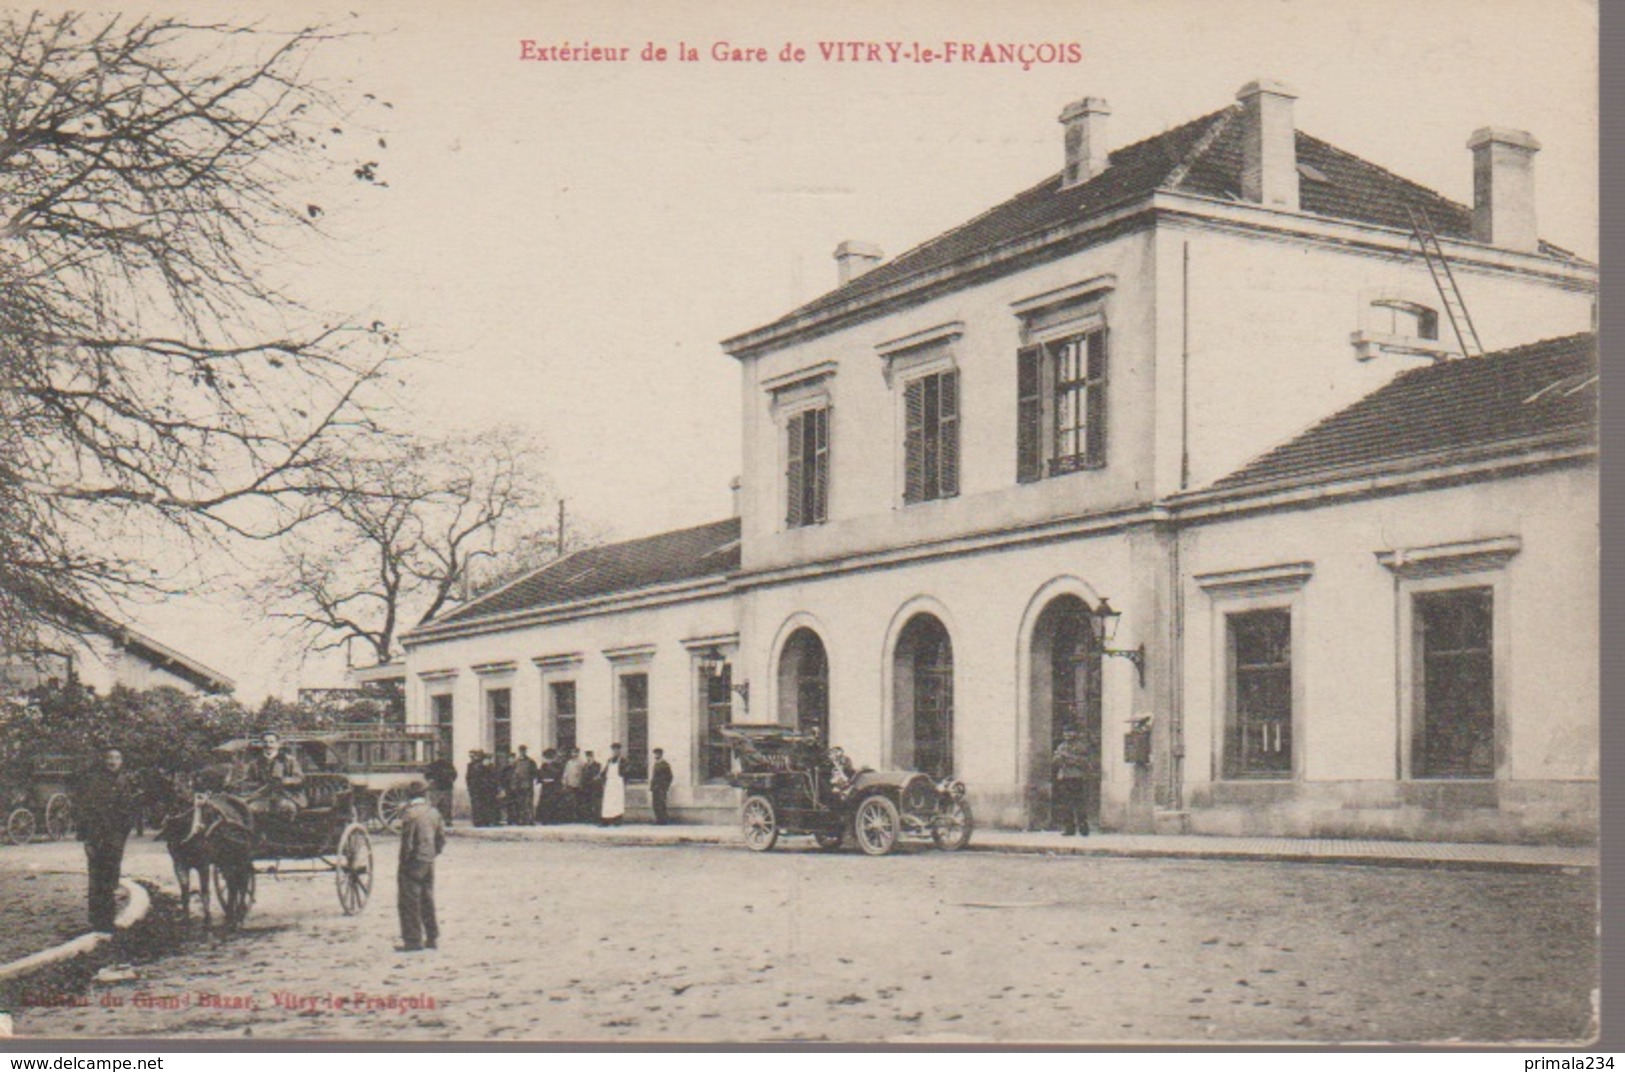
(614, 777)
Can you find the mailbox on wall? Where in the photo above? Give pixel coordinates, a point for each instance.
(1137, 742)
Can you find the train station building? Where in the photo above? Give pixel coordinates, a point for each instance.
(1272, 470)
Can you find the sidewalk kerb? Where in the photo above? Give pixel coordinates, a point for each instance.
(135, 910)
(1403, 854)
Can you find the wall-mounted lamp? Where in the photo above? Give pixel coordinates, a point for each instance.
(1103, 620)
(712, 663)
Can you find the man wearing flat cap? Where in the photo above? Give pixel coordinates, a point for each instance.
(423, 836)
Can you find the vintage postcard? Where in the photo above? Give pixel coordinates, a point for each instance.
(934, 523)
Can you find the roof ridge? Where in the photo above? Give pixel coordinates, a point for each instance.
(1220, 123)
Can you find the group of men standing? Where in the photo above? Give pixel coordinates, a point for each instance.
(567, 786)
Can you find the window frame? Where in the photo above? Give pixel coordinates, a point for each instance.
(638, 765)
(1231, 592)
(943, 443)
(1377, 334)
(1231, 752)
(1480, 563)
(1419, 678)
(554, 718)
(788, 420)
(1041, 388)
(489, 697)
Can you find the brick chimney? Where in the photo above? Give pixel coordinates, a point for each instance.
(1269, 169)
(1504, 188)
(1086, 150)
(852, 259)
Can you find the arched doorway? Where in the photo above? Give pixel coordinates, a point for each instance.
(1065, 691)
(804, 683)
(923, 697)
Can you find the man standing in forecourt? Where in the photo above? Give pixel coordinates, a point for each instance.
(104, 806)
(1072, 765)
(660, 780)
(522, 789)
(549, 776)
(592, 788)
(423, 836)
(573, 781)
(441, 774)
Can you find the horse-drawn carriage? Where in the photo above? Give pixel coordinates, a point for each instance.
(39, 803)
(237, 838)
(379, 761)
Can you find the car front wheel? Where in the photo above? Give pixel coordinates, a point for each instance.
(759, 824)
(876, 826)
(952, 828)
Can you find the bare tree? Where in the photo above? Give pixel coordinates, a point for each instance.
(419, 519)
(153, 383)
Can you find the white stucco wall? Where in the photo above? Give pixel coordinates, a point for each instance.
(866, 510)
(989, 603)
(1269, 326)
(1353, 668)
(509, 660)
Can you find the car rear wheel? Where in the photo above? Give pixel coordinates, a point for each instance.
(876, 826)
(952, 828)
(759, 824)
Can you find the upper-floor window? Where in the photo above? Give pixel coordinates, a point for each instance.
(806, 476)
(1061, 405)
(1404, 319)
(1398, 321)
(931, 437)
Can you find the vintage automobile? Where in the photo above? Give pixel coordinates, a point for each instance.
(793, 786)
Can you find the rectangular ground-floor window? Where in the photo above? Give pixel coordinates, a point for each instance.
(499, 719)
(562, 698)
(718, 696)
(1258, 739)
(1453, 731)
(635, 724)
(440, 710)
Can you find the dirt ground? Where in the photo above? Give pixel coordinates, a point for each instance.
(554, 941)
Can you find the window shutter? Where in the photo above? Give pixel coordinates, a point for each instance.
(1095, 429)
(914, 441)
(1029, 414)
(948, 434)
(793, 472)
(820, 465)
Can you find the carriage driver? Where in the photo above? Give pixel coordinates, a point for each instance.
(279, 781)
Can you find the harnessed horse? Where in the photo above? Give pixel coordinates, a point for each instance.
(213, 834)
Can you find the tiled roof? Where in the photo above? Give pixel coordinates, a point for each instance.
(1201, 157)
(1544, 389)
(687, 554)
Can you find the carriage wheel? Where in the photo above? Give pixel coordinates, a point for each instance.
(759, 824)
(390, 806)
(353, 870)
(876, 826)
(20, 826)
(58, 817)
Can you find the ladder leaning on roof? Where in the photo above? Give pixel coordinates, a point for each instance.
(1443, 278)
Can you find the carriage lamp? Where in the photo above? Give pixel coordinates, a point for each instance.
(1103, 620)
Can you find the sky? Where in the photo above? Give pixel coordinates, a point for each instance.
(566, 243)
